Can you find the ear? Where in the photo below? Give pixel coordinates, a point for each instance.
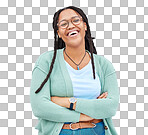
(85, 26)
(58, 33)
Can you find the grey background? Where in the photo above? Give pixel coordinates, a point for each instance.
(121, 32)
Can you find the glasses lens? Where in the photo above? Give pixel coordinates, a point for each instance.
(63, 24)
(76, 20)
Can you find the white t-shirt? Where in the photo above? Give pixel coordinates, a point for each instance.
(84, 85)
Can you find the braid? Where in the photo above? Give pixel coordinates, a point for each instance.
(91, 49)
(59, 43)
(51, 67)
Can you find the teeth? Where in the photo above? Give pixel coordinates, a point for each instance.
(72, 32)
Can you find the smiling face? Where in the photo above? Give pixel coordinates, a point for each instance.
(76, 39)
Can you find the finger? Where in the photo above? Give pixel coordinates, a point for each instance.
(104, 95)
(101, 95)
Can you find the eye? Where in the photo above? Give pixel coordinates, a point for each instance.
(76, 20)
(63, 24)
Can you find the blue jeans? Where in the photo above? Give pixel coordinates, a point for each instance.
(98, 130)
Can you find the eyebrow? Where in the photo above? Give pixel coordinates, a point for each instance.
(66, 19)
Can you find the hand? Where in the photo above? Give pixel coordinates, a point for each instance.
(84, 117)
(104, 95)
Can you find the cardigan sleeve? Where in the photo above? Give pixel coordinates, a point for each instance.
(41, 104)
(106, 107)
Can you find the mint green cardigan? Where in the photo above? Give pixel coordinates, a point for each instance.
(51, 116)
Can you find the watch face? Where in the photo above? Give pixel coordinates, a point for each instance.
(73, 100)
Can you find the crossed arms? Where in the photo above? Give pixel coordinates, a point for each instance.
(55, 108)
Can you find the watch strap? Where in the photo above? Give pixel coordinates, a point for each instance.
(71, 106)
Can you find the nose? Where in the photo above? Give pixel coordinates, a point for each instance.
(70, 24)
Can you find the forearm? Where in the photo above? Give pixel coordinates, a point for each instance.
(83, 117)
(62, 101)
(54, 112)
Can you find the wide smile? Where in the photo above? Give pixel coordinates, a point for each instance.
(73, 35)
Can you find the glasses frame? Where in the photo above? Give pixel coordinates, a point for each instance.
(70, 21)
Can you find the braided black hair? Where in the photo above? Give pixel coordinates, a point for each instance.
(59, 43)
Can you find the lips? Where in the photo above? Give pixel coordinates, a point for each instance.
(71, 31)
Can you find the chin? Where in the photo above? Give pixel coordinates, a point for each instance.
(78, 40)
(75, 42)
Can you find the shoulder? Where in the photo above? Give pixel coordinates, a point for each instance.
(43, 61)
(106, 66)
(44, 58)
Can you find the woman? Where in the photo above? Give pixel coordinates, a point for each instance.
(73, 90)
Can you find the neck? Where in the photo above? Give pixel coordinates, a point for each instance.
(76, 53)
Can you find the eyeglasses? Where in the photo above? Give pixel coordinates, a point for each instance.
(65, 23)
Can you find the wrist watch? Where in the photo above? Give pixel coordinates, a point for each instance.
(72, 100)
